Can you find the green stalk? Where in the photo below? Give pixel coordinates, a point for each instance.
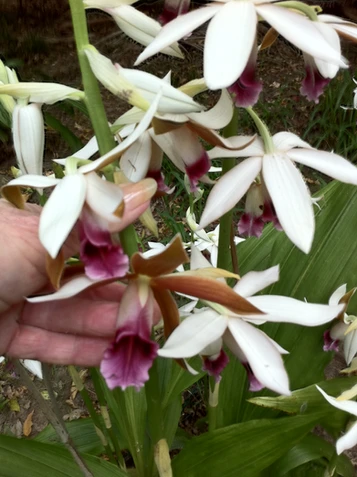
(92, 412)
(104, 411)
(263, 131)
(309, 11)
(224, 241)
(93, 99)
(213, 391)
(94, 103)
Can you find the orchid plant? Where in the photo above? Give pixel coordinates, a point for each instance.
(230, 314)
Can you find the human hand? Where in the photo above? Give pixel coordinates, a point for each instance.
(74, 331)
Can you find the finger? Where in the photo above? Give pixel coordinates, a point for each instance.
(81, 316)
(56, 348)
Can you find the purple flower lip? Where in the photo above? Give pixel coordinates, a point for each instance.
(197, 169)
(215, 366)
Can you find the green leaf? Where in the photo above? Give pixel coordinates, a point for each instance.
(71, 139)
(36, 459)
(331, 262)
(82, 432)
(310, 449)
(241, 449)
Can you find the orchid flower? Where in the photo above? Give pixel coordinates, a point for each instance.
(350, 438)
(232, 31)
(345, 329)
(129, 357)
(252, 347)
(178, 136)
(83, 187)
(133, 23)
(283, 182)
(138, 87)
(28, 128)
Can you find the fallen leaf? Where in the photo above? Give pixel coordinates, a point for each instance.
(14, 405)
(27, 427)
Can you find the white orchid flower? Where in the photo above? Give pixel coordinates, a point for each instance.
(133, 23)
(247, 342)
(138, 87)
(28, 129)
(178, 136)
(283, 181)
(80, 186)
(231, 35)
(349, 439)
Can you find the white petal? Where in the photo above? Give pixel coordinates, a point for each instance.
(2, 359)
(284, 141)
(172, 101)
(61, 212)
(69, 289)
(136, 159)
(350, 346)
(229, 40)
(289, 310)
(194, 334)
(177, 29)
(347, 406)
(28, 132)
(86, 152)
(48, 93)
(337, 295)
(263, 357)
(33, 366)
(36, 182)
(348, 440)
(230, 189)
(103, 197)
(256, 148)
(329, 163)
(291, 199)
(217, 117)
(140, 27)
(118, 150)
(252, 282)
(300, 31)
(327, 69)
(198, 260)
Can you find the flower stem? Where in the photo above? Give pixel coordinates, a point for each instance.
(263, 131)
(78, 382)
(213, 391)
(94, 103)
(93, 99)
(309, 11)
(224, 241)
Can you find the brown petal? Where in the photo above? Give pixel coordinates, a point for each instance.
(214, 139)
(163, 263)
(206, 289)
(162, 126)
(269, 38)
(55, 268)
(169, 310)
(13, 195)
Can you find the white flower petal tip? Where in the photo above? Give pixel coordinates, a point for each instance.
(33, 366)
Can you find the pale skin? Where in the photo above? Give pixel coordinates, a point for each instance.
(73, 331)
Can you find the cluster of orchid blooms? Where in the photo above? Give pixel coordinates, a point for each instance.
(167, 121)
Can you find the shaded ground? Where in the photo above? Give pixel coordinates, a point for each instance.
(37, 39)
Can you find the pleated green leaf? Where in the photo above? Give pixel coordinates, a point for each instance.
(311, 449)
(241, 449)
(22, 457)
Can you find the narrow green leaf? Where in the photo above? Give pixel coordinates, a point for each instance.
(241, 449)
(22, 457)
